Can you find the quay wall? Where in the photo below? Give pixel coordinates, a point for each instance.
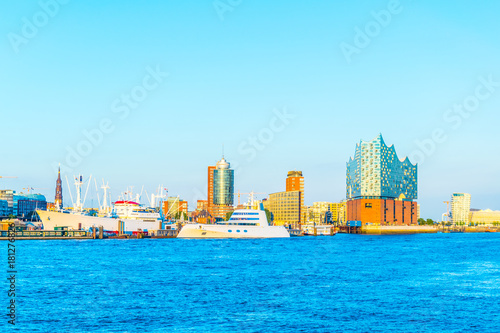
(397, 229)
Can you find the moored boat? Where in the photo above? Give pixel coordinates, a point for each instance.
(244, 223)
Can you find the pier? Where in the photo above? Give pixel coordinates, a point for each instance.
(48, 234)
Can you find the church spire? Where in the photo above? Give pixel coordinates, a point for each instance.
(59, 197)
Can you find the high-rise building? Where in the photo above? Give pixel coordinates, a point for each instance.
(460, 208)
(59, 196)
(380, 188)
(220, 189)
(295, 182)
(210, 191)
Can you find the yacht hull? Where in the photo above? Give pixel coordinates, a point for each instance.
(223, 231)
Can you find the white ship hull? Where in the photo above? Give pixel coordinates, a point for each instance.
(231, 231)
(50, 220)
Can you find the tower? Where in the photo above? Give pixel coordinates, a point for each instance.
(59, 197)
(295, 182)
(220, 189)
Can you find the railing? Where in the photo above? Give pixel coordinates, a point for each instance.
(47, 233)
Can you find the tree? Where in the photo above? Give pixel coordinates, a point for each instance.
(429, 222)
(421, 221)
(269, 216)
(228, 215)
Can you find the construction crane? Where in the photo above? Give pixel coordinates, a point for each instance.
(33, 188)
(447, 210)
(251, 194)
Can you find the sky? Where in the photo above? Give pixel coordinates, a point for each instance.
(147, 93)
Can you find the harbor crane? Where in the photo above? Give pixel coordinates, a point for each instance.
(251, 196)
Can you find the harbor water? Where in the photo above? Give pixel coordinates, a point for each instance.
(345, 283)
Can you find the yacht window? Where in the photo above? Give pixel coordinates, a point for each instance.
(230, 230)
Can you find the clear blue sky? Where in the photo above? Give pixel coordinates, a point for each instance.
(225, 78)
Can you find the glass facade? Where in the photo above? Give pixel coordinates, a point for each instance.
(223, 187)
(23, 204)
(4, 208)
(377, 172)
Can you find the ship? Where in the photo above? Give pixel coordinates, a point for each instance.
(124, 217)
(244, 223)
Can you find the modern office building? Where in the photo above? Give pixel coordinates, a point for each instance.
(285, 207)
(220, 189)
(4, 209)
(8, 195)
(380, 188)
(24, 204)
(485, 217)
(295, 182)
(460, 208)
(59, 196)
(288, 207)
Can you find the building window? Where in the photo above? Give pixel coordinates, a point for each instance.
(368, 205)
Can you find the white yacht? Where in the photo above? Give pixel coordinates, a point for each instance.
(244, 223)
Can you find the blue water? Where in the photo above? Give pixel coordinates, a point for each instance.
(346, 283)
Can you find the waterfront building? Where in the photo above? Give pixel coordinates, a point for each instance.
(342, 212)
(210, 191)
(220, 189)
(485, 217)
(285, 207)
(8, 195)
(24, 204)
(380, 188)
(174, 205)
(460, 208)
(4, 209)
(59, 196)
(324, 212)
(295, 182)
(201, 205)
